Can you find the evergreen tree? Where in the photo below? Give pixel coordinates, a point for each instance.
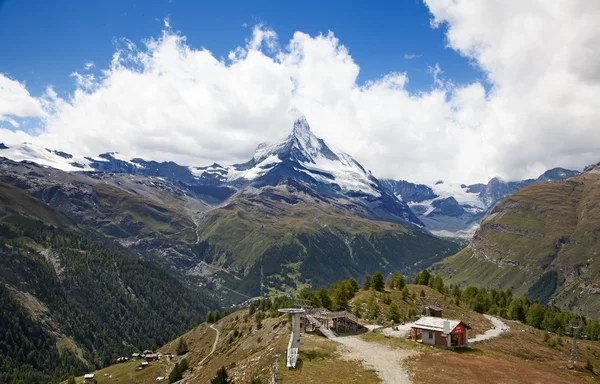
(424, 278)
(417, 279)
(357, 310)
(405, 293)
(438, 284)
(324, 298)
(373, 307)
(71, 380)
(456, 291)
(176, 374)
(221, 377)
(378, 282)
(398, 281)
(353, 285)
(341, 294)
(515, 310)
(184, 366)
(366, 283)
(210, 318)
(393, 313)
(535, 315)
(182, 347)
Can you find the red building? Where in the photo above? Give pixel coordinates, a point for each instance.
(440, 332)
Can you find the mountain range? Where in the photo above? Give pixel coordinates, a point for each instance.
(455, 210)
(297, 213)
(541, 241)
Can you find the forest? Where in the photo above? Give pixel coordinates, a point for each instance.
(61, 289)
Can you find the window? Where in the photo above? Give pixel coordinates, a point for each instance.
(430, 334)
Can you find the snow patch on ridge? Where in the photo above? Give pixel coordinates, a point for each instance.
(445, 190)
(45, 157)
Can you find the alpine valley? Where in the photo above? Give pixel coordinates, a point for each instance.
(298, 213)
(104, 256)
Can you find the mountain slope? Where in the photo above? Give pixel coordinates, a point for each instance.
(455, 210)
(288, 235)
(542, 241)
(75, 299)
(297, 213)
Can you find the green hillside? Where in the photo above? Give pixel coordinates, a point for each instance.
(542, 241)
(70, 304)
(287, 239)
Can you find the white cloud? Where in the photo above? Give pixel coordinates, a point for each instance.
(88, 65)
(16, 101)
(166, 100)
(410, 56)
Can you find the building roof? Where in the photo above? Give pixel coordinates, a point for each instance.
(434, 307)
(430, 323)
(88, 376)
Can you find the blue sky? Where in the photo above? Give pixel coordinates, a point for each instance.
(51, 39)
(517, 74)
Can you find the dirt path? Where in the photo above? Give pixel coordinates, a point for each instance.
(387, 362)
(214, 345)
(499, 328)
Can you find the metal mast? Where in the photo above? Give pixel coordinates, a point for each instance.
(574, 327)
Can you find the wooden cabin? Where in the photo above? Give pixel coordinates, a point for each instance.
(433, 311)
(440, 332)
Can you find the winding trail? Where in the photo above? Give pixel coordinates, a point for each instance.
(498, 328)
(214, 347)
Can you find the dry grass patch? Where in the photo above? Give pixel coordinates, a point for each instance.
(127, 373)
(521, 356)
(321, 362)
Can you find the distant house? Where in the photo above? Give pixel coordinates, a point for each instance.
(144, 364)
(88, 378)
(135, 356)
(440, 332)
(150, 357)
(433, 311)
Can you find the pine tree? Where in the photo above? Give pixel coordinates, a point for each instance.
(175, 374)
(424, 278)
(393, 313)
(182, 347)
(221, 377)
(372, 307)
(405, 293)
(366, 283)
(210, 317)
(357, 310)
(398, 281)
(378, 282)
(324, 297)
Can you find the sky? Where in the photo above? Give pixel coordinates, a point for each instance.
(458, 90)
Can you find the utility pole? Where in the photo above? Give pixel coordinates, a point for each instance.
(574, 327)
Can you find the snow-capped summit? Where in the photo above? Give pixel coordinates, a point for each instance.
(299, 158)
(302, 155)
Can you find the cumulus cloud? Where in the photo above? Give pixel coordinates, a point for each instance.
(15, 101)
(166, 100)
